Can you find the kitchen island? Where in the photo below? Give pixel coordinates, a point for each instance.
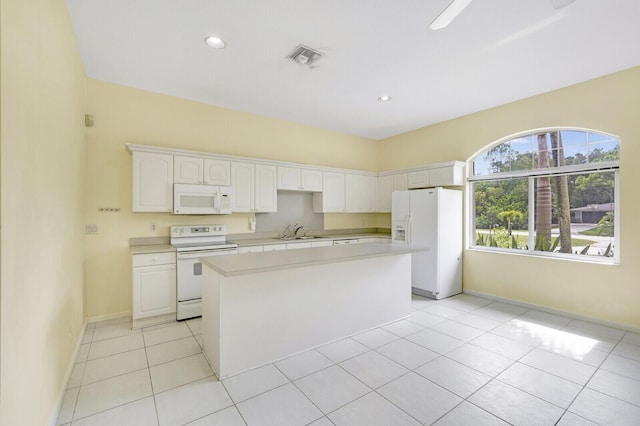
(261, 307)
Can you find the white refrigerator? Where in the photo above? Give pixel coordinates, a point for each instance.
(431, 218)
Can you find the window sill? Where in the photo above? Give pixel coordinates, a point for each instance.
(608, 261)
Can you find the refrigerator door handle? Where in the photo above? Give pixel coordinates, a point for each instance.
(408, 230)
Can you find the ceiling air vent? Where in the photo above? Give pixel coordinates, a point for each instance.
(304, 55)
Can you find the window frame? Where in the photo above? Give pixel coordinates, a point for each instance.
(532, 174)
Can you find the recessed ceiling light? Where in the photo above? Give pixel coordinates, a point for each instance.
(384, 98)
(215, 42)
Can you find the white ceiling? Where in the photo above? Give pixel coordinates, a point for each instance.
(494, 52)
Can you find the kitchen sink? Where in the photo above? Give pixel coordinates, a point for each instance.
(305, 237)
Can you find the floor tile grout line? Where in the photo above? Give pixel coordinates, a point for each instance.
(75, 404)
(111, 408)
(399, 408)
(302, 392)
(232, 401)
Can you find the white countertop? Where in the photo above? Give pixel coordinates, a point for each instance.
(151, 248)
(245, 242)
(250, 263)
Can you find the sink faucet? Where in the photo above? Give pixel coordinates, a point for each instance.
(296, 228)
(287, 233)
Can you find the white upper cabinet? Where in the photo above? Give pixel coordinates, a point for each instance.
(360, 193)
(346, 193)
(311, 180)
(152, 182)
(187, 169)
(201, 171)
(331, 199)
(255, 187)
(400, 182)
(217, 172)
(299, 179)
(266, 188)
(386, 185)
(256, 182)
(242, 181)
(449, 175)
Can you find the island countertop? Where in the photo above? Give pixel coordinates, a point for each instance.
(250, 263)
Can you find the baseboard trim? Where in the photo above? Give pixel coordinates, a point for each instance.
(554, 311)
(105, 317)
(67, 376)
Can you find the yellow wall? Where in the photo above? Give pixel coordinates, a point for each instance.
(609, 104)
(125, 115)
(42, 167)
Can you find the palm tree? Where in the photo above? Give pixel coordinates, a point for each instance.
(562, 191)
(510, 216)
(543, 197)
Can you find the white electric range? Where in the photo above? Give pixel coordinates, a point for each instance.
(193, 242)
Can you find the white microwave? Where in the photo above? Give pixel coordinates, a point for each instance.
(201, 199)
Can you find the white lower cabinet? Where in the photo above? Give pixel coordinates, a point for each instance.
(275, 247)
(346, 241)
(250, 249)
(321, 243)
(154, 288)
(306, 244)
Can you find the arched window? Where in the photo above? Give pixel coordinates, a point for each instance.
(551, 192)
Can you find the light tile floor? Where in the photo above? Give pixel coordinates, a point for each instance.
(465, 360)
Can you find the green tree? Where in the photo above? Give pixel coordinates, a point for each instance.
(510, 216)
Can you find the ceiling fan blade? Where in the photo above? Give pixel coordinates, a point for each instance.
(559, 4)
(450, 14)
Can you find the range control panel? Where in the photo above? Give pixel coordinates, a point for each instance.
(198, 230)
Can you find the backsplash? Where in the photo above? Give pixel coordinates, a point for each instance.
(293, 207)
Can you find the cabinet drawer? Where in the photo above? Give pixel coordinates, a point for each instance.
(250, 249)
(150, 259)
(275, 247)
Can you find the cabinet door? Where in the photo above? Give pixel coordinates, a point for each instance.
(275, 247)
(311, 180)
(293, 246)
(446, 176)
(266, 188)
(359, 193)
(333, 192)
(368, 240)
(250, 249)
(289, 178)
(154, 291)
(400, 182)
(187, 169)
(384, 189)
(242, 181)
(217, 172)
(419, 179)
(321, 243)
(152, 182)
(369, 194)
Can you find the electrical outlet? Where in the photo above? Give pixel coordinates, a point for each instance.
(153, 227)
(91, 228)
